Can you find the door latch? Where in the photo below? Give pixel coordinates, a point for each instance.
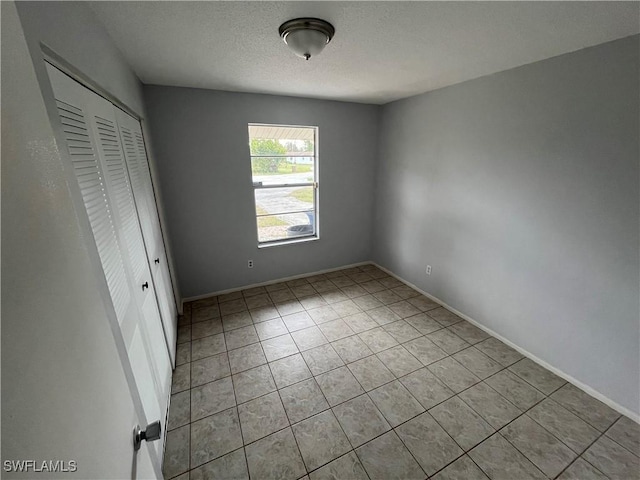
(151, 433)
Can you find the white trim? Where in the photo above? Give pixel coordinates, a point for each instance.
(289, 241)
(271, 282)
(52, 57)
(166, 422)
(586, 388)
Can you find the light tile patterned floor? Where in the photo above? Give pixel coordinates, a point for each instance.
(354, 375)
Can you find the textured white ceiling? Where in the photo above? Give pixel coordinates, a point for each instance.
(382, 51)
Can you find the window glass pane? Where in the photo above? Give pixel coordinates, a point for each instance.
(282, 170)
(283, 159)
(271, 201)
(281, 154)
(283, 227)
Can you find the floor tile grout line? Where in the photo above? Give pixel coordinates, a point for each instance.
(246, 459)
(305, 350)
(353, 450)
(463, 454)
(274, 304)
(584, 419)
(601, 434)
(373, 354)
(476, 464)
(287, 415)
(381, 413)
(531, 384)
(241, 291)
(458, 443)
(363, 467)
(290, 426)
(365, 393)
(614, 440)
(213, 460)
(308, 471)
(579, 456)
(393, 428)
(542, 426)
(497, 432)
(424, 366)
(548, 397)
(314, 377)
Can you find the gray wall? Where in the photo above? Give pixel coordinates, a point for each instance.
(65, 395)
(201, 144)
(72, 31)
(521, 190)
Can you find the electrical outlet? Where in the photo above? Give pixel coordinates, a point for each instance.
(250, 263)
(428, 269)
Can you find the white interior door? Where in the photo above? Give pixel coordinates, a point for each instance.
(138, 164)
(94, 147)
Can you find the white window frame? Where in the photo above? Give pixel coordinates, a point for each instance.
(315, 185)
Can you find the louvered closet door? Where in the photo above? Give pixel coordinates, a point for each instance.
(138, 165)
(97, 158)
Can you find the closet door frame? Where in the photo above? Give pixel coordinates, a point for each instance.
(49, 56)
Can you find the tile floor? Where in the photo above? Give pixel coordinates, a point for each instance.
(354, 375)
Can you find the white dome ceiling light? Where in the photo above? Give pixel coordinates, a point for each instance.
(307, 37)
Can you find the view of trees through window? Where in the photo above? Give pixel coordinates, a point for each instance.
(283, 167)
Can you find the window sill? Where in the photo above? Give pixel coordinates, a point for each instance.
(279, 243)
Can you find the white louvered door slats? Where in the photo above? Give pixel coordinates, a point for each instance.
(147, 187)
(137, 163)
(109, 142)
(131, 153)
(126, 125)
(139, 190)
(145, 174)
(149, 325)
(92, 187)
(94, 146)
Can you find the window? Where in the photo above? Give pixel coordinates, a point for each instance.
(284, 168)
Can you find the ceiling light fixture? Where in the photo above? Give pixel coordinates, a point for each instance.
(307, 37)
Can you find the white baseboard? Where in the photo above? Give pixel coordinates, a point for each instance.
(585, 388)
(271, 282)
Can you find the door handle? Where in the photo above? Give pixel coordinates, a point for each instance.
(151, 433)
(157, 260)
(145, 285)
